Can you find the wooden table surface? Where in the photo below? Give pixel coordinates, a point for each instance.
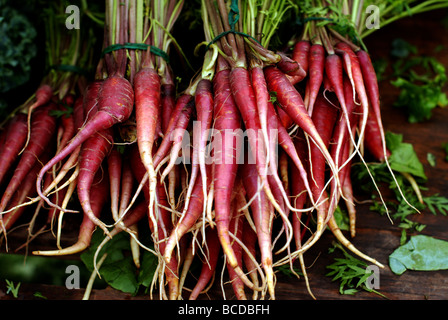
(376, 236)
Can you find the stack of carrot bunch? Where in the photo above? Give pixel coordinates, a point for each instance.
(248, 163)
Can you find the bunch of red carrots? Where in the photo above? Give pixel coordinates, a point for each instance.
(247, 163)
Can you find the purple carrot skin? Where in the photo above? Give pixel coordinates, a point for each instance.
(78, 113)
(209, 263)
(287, 144)
(42, 134)
(371, 83)
(183, 109)
(285, 120)
(94, 151)
(236, 228)
(298, 193)
(245, 99)
(90, 100)
(163, 225)
(268, 124)
(114, 167)
(358, 81)
(262, 214)
(189, 217)
(147, 101)
(373, 138)
(324, 116)
(127, 186)
(250, 240)
(27, 190)
(115, 104)
(347, 189)
(227, 166)
(291, 101)
(291, 68)
(100, 194)
(204, 115)
(43, 96)
(15, 140)
(315, 74)
(168, 92)
(301, 53)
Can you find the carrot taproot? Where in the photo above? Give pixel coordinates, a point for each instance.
(43, 129)
(262, 214)
(301, 53)
(14, 141)
(115, 104)
(315, 75)
(94, 151)
(208, 265)
(100, 190)
(43, 96)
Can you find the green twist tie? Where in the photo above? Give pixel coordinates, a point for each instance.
(219, 36)
(137, 46)
(68, 68)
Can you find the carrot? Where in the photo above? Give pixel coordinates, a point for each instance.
(315, 75)
(262, 214)
(100, 188)
(147, 102)
(168, 96)
(94, 151)
(208, 265)
(291, 101)
(190, 216)
(201, 128)
(178, 120)
(115, 104)
(27, 189)
(250, 240)
(245, 99)
(236, 228)
(301, 53)
(225, 168)
(114, 167)
(373, 138)
(293, 70)
(160, 225)
(43, 128)
(43, 96)
(14, 142)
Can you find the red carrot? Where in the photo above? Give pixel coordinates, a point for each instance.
(204, 114)
(100, 190)
(209, 264)
(27, 189)
(190, 216)
(94, 150)
(315, 75)
(14, 142)
(43, 96)
(43, 128)
(147, 102)
(115, 104)
(168, 96)
(236, 228)
(301, 53)
(262, 214)
(291, 101)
